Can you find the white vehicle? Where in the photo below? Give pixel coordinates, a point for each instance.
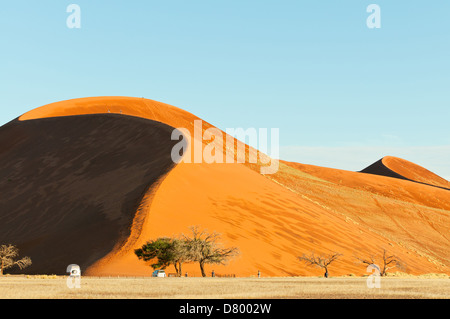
(159, 273)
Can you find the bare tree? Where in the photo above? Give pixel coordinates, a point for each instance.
(181, 254)
(388, 262)
(7, 255)
(321, 261)
(204, 248)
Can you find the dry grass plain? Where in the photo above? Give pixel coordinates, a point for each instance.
(54, 287)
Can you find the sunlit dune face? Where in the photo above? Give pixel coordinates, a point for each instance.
(414, 172)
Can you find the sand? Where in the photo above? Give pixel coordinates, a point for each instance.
(272, 219)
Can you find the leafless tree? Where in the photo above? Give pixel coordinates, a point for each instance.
(205, 248)
(321, 261)
(180, 254)
(8, 253)
(388, 262)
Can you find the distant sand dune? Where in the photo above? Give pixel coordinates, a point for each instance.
(399, 168)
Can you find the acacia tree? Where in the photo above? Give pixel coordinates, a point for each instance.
(388, 262)
(166, 251)
(8, 253)
(204, 248)
(321, 261)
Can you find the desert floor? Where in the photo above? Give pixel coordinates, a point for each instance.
(55, 287)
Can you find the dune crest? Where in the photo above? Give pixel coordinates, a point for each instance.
(403, 169)
(414, 172)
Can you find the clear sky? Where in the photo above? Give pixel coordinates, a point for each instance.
(342, 95)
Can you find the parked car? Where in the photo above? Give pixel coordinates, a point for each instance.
(159, 273)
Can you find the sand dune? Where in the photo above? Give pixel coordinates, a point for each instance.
(414, 172)
(271, 218)
(403, 169)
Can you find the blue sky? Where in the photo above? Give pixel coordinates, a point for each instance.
(342, 95)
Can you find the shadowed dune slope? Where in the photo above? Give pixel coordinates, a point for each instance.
(70, 186)
(399, 168)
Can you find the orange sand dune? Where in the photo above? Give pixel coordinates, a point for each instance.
(274, 218)
(399, 168)
(414, 172)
